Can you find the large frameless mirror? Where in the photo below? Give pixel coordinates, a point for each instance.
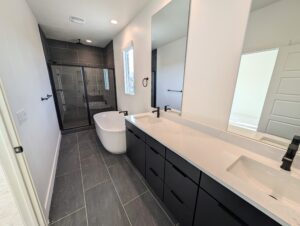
(169, 43)
(266, 104)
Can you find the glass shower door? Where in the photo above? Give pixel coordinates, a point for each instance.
(100, 86)
(70, 95)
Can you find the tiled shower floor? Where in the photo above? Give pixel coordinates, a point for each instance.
(94, 187)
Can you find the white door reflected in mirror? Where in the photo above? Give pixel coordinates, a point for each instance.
(266, 104)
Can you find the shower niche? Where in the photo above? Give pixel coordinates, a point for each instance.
(80, 92)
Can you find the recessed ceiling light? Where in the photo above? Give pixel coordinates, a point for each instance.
(89, 41)
(114, 21)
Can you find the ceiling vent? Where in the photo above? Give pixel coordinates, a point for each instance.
(77, 20)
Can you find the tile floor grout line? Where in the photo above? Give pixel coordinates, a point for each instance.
(69, 214)
(99, 183)
(136, 197)
(160, 206)
(87, 220)
(112, 181)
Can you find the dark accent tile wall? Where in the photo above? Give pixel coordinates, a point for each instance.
(69, 53)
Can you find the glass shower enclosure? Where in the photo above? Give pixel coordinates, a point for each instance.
(81, 92)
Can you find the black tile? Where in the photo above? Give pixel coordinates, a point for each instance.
(68, 161)
(145, 211)
(67, 195)
(127, 183)
(76, 219)
(93, 171)
(104, 207)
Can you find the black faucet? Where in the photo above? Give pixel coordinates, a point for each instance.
(290, 154)
(157, 112)
(124, 112)
(167, 108)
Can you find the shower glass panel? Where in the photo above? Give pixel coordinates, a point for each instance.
(100, 86)
(70, 95)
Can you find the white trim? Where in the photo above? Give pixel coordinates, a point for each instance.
(48, 198)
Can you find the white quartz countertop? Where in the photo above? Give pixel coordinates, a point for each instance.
(214, 156)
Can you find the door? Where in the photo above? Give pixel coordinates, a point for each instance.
(70, 96)
(281, 111)
(100, 88)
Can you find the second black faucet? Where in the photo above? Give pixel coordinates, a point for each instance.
(157, 112)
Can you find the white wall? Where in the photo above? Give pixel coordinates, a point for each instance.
(25, 78)
(138, 31)
(170, 73)
(274, 26)
(215, 42)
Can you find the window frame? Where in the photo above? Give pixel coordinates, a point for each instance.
(128, 88)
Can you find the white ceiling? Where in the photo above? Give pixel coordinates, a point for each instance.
(53, 16)
(170, 23)
(258, 4)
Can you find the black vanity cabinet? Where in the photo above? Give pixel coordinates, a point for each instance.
(181, 188)
(135, 139)
(216, 205)
(192, 197)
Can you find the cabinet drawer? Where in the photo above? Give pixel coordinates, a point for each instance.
(185, 189)
(175, 205)
(136, 151)
(184, 166)
(139, 133)
(210, 212)
(155, 162)
(156, 146)
(242, 209)
(155, 182)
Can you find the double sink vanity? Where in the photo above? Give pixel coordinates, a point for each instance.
(204, 180)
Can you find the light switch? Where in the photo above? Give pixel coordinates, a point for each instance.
(22, 116)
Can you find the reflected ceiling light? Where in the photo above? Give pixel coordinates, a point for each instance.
(88, 41)
(114, 21)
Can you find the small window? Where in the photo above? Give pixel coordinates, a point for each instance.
(106, 79)
(128, 70)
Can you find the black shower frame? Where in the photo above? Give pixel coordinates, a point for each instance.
(85, 93)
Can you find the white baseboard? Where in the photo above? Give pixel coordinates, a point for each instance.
(47, 202)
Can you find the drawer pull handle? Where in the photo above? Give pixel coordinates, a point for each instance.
(177, 197)
(153, 171)
(179, 171)
(129, 130)
(156, 152)
(137, 136)
(231, 214)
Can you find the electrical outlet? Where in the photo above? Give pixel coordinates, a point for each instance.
(22, 116)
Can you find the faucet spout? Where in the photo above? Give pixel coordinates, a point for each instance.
(157, 112)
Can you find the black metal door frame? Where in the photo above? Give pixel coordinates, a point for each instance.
(85, 93)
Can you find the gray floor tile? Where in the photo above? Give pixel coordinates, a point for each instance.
(109, 158)
(127, 183)
(87, 135)
(68, 161)
(88, 148)
(93, 171)
(67, 195)
(68, 140)
(76, 219)
(104, 207)
(145, 211)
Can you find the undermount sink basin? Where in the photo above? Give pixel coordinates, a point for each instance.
(148, 119)
(276, 184)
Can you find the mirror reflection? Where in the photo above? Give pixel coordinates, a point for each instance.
(266, 104)
(169, 40)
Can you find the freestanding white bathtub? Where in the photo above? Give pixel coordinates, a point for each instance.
(110, 128)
